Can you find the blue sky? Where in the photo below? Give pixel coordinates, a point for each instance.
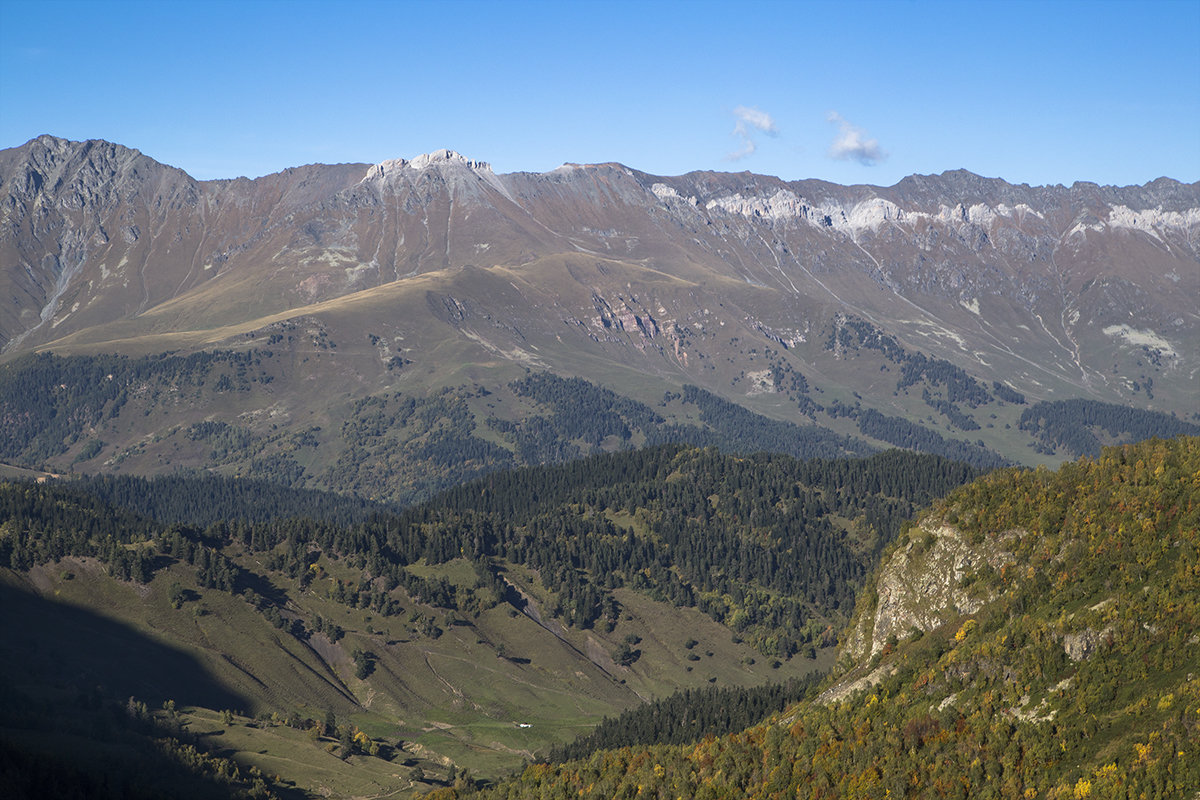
(853, 92)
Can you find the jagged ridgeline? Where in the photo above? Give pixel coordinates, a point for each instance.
(1061, 661)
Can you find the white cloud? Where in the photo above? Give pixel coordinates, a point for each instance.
(853, 144)
(750, 121)
(758, 119)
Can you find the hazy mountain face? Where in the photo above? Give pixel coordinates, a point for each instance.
(729, 281)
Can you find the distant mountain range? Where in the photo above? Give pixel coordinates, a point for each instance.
(949, 304)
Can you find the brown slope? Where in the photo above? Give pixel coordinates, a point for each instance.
(1059, 290)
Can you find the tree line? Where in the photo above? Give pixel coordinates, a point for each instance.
(689, 715)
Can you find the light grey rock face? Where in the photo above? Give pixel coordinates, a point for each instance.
(439, 159)
(921, 587)
(1080, 646)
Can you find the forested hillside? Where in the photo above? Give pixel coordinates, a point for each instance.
(752, 542)
(206, 499)
(556, 594)
(1067, 668)
(771, 547)
(229, 412)
(1079, 425)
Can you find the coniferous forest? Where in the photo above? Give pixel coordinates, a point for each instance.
(749, 541)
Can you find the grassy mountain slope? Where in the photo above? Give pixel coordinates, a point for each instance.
(250, 413)
(238, 412)
(347, 404)
(1058, 657)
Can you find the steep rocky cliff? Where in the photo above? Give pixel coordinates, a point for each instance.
(923, 585)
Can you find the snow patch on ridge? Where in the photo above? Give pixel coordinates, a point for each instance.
(1081, 228)
(445, 156)
(1151, 221)
(438, 159)
(787, 205)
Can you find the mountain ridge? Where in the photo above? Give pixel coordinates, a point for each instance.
(798, 300)
(424, 159)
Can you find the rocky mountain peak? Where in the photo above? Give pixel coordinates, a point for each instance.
(447, 156)
(79, 173)
(438, 158)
